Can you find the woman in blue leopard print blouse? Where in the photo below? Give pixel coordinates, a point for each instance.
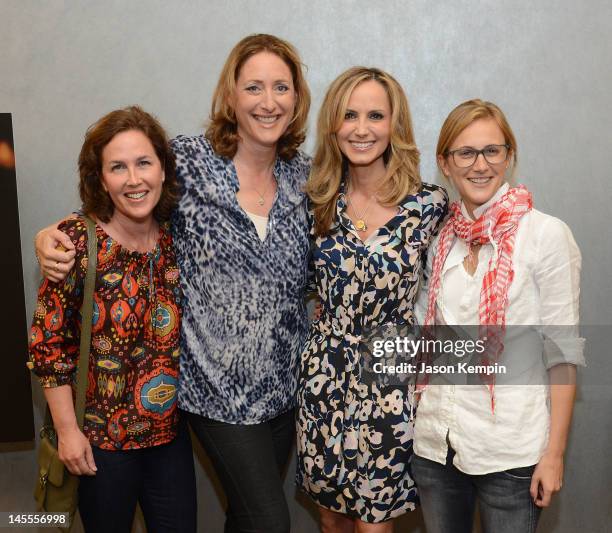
(241, 239)
(373, 221)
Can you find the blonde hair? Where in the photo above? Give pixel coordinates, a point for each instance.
(401, 157)
(466, 113)
(222, 128)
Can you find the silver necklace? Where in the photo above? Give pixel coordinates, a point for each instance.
(262, 196)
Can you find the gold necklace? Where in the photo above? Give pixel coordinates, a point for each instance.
(262, 197)
(360, 223)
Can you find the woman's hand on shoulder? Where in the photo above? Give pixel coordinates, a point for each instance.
(55, 253)
(74, 450)
(547, 479)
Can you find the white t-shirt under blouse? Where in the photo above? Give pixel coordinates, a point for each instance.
(260, 223)
(545, 291)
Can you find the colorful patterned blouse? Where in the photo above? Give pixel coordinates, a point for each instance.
(133, 364)
(245, 318)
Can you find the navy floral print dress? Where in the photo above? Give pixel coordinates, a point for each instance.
(354, 436)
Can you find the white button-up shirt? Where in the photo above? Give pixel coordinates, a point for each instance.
(544, 291)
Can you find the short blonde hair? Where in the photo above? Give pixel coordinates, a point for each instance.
(222, 128)
(401, 157)
(466, 113)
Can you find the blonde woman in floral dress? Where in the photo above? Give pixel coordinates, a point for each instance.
(372, 222)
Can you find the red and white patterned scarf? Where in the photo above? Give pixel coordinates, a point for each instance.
(497, 225)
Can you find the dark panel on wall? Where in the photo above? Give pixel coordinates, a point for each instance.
(15, 392)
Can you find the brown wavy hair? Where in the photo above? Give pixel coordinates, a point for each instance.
(462, 116)
(401, 157)
(96, 201)
(222, 128)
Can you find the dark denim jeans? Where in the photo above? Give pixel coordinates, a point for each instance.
(249, 460)
(161, 479)
(448, 498)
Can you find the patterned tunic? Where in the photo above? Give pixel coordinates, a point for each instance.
(245, 319)
(355, 436)
(133, 363)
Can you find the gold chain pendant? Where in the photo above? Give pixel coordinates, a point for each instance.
(361, 225)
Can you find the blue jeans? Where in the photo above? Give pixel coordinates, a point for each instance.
(249, 461)
(161, 479)
(448, 498)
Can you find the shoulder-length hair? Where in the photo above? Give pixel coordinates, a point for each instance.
(466, 113)
(401, 156)
(222, 128)
(96, 201)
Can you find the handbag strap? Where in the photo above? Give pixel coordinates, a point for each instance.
(86, 321)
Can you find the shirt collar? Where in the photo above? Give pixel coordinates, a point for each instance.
(287, 180)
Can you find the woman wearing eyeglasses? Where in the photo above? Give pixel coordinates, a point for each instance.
(498, 262)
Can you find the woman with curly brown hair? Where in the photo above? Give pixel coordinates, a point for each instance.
(134, 447)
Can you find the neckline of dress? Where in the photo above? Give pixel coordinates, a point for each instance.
(153, 253)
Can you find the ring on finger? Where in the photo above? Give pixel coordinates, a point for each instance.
(55, 267)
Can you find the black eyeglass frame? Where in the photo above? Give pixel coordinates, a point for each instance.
(478, 152)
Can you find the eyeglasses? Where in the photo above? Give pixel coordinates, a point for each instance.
(494, 154)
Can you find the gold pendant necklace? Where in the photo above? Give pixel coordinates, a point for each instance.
(360, 223)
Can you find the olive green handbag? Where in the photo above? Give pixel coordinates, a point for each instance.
(56, 489)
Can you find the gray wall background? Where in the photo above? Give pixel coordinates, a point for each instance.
(547, 64)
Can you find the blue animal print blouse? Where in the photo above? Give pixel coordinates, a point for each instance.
(244, 321)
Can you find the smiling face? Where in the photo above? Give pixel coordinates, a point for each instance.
(365, 132)
(478, 183)
(264, 99)
(132, 175)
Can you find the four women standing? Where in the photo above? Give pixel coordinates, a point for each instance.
(241, 234)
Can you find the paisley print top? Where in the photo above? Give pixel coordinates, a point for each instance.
(133, 364)
(354, 434)
(245, 319)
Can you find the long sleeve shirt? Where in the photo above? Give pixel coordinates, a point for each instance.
(133, 362)
(544, 292)
(245, 317)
